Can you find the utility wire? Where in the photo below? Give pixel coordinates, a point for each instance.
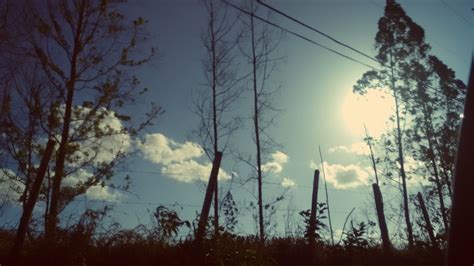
(317, 31)
(455, 12)
(299, 36)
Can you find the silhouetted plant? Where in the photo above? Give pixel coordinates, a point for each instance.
(230, 211)
(168, 222)
(321, 209)
(356, 237)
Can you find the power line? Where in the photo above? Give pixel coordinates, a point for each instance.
(317, 31)
(456, 13)
(300, 36)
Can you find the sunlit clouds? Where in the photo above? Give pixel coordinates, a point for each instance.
(344, 176)
(358, 148)
(179, 161)
(287, 183)
(276, 162)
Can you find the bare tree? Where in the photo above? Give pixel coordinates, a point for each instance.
(223, 84)
(258, 50)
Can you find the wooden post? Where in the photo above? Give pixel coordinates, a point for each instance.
(208, 198)
(31, 202)
(426, 217)
(461, 231)
(312, 217)
(381, 217)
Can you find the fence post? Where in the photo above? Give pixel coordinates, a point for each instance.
(208, 197)
(312, 217)
(381, 217)
(426, 217)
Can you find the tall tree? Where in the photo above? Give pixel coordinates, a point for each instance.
(258, 49)
(428, 100)
(223, 86)
(397, 39)
(84, 52)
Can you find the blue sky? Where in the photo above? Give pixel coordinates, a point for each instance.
(315, 87)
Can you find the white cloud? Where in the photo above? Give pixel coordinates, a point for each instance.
(98, 192)
(288, 183)
(344, 176)
(189, 171)
(359, 148)
(275, 164)
(178, 161)
(73, 179)
(102, 149)
(159, 149)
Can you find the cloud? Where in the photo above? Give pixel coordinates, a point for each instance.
(99, 149)
(359, 148)
(98, 192)
(189, 171)
(344, 176)
(159, 149)
(288, 183)
(275, 164)
(178, 161)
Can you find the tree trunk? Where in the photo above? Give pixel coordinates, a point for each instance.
(401, 158)
(30, 202)
(381, 218)
(461, 232)
(426, 217)
(257, 133)
(312, 217)
(62, 150)
(208, 198)
(214, 115)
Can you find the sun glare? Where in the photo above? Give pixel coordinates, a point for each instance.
(374, 109)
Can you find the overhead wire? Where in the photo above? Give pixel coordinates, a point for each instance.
(300, 36)
(316, 30)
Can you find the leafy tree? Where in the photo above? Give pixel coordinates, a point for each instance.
(73, 83)
(397, 42)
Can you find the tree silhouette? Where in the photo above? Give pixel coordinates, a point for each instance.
(222, 87)
(73, 78)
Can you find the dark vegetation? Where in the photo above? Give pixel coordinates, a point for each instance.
(68, 67)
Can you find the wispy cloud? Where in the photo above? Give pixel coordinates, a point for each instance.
(359, 148)
(287, 183)
(178, 161)
(276, 162)
(344, 176)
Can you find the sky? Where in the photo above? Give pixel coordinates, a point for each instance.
(318, 109)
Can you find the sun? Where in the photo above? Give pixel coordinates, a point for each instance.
(373, 109)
